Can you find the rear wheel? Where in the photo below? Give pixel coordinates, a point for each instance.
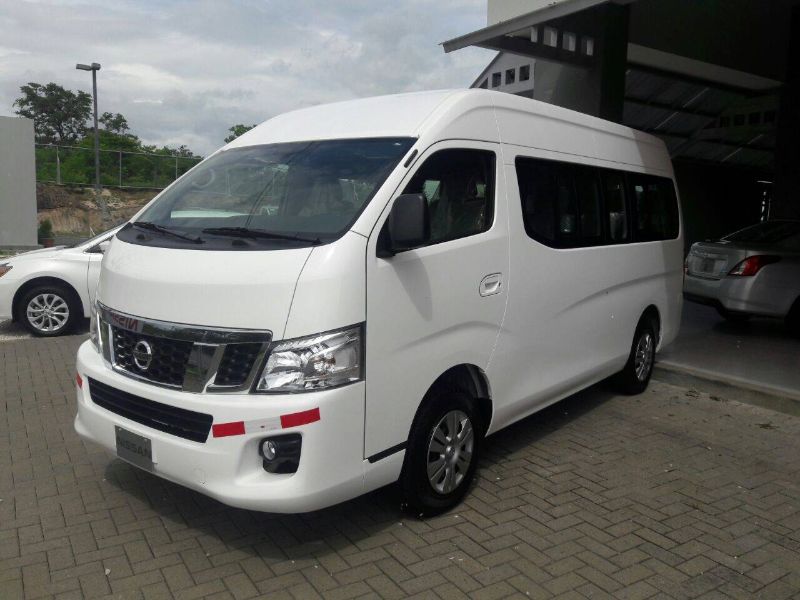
(49, 310)
(732, 316)
(442, 452)
(635, 376)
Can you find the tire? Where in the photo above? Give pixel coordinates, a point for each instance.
(635, 376)
(49, 310)
(733, 317)
(446, 486)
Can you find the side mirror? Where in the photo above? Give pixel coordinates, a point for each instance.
(409, 224)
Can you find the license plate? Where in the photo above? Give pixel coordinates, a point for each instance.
(134, 448)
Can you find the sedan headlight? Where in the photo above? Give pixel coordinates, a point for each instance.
(313, 363)
(5, 268)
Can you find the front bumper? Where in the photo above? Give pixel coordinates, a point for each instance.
(229, 469)
(7, 290)
(735, 294)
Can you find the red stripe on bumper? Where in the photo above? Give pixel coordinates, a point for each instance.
(227, 429)
(300, 418)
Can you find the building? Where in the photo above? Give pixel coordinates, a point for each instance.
(17, 184)
(717, 80)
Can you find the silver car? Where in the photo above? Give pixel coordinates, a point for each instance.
(755, 271)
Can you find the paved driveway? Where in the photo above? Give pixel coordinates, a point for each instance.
(667, 495)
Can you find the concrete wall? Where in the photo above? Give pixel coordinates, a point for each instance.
(17, 183)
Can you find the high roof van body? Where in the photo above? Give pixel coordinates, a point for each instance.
(359, 293)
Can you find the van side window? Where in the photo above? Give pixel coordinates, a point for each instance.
(590, 205)
(614, 192)
(459, 188)
(656, 208)
(561, 203)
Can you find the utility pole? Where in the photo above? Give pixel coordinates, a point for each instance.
(94, 68)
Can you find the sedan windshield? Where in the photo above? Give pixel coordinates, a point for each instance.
(274, 195)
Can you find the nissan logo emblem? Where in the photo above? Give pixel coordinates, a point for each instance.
(142, 355)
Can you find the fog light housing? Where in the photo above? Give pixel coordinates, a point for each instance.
(281, 453)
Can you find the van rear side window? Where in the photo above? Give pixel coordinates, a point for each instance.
(566, 205)
(656, 208)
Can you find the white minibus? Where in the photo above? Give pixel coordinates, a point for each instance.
(359, 293)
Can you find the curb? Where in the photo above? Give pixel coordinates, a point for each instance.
(774, 398)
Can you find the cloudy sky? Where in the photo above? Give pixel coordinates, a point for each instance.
(182, 72)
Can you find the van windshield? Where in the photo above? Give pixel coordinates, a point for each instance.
(274, 195)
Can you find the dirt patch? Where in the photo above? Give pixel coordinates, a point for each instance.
(76, 210)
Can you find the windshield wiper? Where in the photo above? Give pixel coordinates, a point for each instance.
(149, 226)
(246, 232)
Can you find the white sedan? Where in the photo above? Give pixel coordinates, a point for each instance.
(49, 291)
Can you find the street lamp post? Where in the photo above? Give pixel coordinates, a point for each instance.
(94, 68)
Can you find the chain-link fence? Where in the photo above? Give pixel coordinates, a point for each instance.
(118, 168)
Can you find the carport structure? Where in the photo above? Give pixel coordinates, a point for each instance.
(717, 80)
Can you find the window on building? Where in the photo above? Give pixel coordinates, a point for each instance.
(616, 209)
(587, 46)
(535, 35)
(569, 42)
(524, 72)
(511, 75)
(724, 121)
(459, 188)
(770, 116)
(655, 207)
(551, 37)
(495, 80)
(484, 84)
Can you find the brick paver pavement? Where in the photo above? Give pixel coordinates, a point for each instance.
(669, 494)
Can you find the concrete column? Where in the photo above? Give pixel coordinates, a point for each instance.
(786, 203)
(600, 89)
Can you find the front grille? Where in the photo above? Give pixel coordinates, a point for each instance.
(169, 359)
(236, 364)
(183, 423)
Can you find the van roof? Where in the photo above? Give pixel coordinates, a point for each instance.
(462, 114)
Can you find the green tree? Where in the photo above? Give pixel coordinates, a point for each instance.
(59, 115)
(238, 130)
(114, 123)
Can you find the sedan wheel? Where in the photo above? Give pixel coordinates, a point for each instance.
(47, 313)
(49, 310)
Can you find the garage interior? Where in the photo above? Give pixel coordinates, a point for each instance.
(718, 81)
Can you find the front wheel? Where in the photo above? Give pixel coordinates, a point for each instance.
(48, 311)
(442, 452)
(635, 376)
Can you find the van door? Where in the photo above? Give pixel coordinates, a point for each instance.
(439, 305)
(555, 334)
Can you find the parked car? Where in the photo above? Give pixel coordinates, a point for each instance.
(752, 272)
(355, 294)
(50, 290)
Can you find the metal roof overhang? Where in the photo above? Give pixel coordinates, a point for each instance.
(556, 10)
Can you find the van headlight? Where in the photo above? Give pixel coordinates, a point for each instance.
(94, 327)
(313, 363)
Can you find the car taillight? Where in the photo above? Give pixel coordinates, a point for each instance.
(752, 265)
